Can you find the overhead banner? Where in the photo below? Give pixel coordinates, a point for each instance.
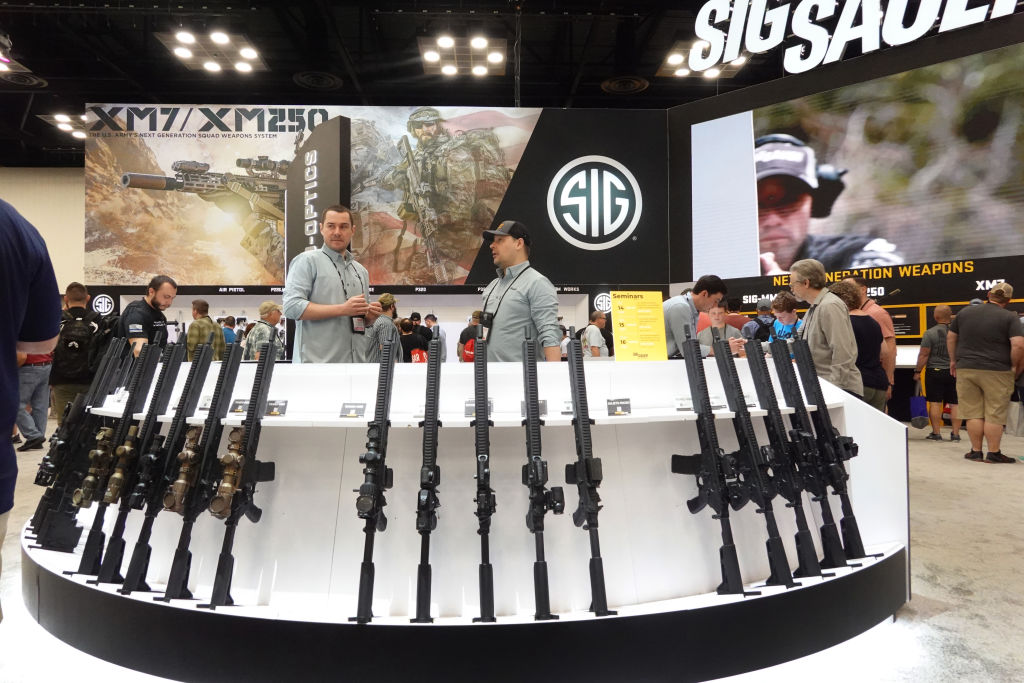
(222, 197)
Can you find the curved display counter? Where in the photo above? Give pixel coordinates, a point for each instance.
(297, 570)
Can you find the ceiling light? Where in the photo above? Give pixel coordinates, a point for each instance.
(495, 57)
(220, 38)
(63, 118)
(479, 42)
(79, 134)
(445, 42)
(83, 117)
(183, 52)
(675, 59)
(739, 61)
(431, 56)
(247, 53)
(244, 67)
(712, 73)
(211, 66)
(185, 37)
(682, 72)
(449, 70)
(64, 126)
(479, 70)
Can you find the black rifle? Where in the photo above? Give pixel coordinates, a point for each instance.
(718, 483)
(787, 459)
(586, 473)
(430, 478)
(486, 503)
(66, 460)
(101, 458)
(833, 449)
(191, 491)
(377, 478)
(126, 471)
(802, 434)
(240, 473)
(755, 463)
(535, 478)
(158, 468)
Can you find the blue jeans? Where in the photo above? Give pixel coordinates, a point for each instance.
(34, 383)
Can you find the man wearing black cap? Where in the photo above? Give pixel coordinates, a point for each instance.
(519, 298)
(420, 328)
(792, 189)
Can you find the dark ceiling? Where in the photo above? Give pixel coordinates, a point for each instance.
(573, 54)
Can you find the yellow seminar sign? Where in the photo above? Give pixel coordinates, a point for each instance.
(638, 326)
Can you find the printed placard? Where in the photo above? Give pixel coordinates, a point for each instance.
(638, 326)
(471, 407)
(567, 408)
(541, 403)
(619, 406)
(239, 405)
(276, 408)
(205, 402)
(353, 410)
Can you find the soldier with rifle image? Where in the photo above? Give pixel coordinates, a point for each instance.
(158, 467)
(65, 462)
(535, 478)
(586, 473)
(833, 449)
(755, 462)
(377, 478)
(190, 493)
(787, 459)
(802, 433)
(718, 484)
(101, 458)
(258, 195)
(430, 478)
(240, 472)
(486, 502)
(126, 470)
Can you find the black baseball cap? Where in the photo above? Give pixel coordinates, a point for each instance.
(512, 229)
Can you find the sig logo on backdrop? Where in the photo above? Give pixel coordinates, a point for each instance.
(103, 304)
(594, 202)
(603, 302)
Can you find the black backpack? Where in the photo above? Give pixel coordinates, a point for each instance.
(76, 343)
(764, 331)
(108, 330)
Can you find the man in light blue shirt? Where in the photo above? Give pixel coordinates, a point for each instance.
(682, 311)
(325, 292)
(519, 298)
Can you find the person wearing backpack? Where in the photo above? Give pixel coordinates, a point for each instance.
(73, 368)
(760, 328)
(467, 340)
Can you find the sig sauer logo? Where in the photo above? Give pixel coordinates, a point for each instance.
(133, 118)
(103, 304)
(594, 202)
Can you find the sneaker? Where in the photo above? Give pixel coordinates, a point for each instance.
(35, 444)
(997, 457)
(954, 437)
(935, 437)
(974, 455)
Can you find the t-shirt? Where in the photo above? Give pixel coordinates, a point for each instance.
(705, 338)
(934, 339)
(140, 320)
(410, 342)
(880, 316)
(467, 334)
(30, 310)
(868, 334)
(592, 337)
(229, 335)
(780, 331)
(984, 334)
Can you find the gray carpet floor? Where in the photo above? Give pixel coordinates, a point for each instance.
(964, 622)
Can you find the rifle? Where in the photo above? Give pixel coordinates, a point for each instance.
(430, 478)
(755, 462)
(535, 478)
(377, 478)
(833, 449)
(786, 460)
(427, 216)
(69, 442)
(718, 483)
(240, 473)
(157, 469)
(802, 434)
(126, 471)
(586, 473)
(486, 503)
(193, 487)
(101, 458)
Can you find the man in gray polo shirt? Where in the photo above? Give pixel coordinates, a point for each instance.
(519, 298)
(325, 292)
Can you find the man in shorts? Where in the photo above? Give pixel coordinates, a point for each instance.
(933, 369)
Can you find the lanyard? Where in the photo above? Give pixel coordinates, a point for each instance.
(344, 289)
(500, 299)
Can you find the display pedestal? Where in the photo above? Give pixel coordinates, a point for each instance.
(297, 570)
